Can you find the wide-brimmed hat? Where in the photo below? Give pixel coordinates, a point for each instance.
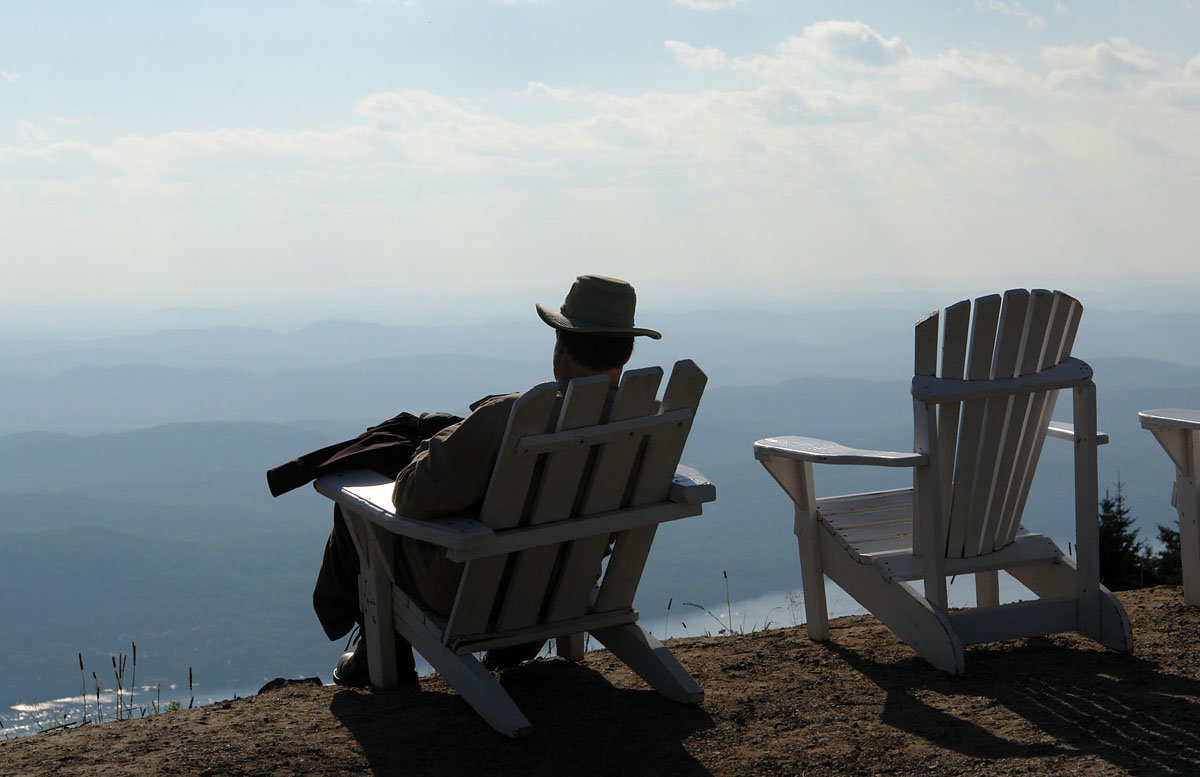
(597, 305)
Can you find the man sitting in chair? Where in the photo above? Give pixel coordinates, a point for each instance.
(449, 474)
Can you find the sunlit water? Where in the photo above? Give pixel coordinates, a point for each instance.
(31, 717)
(779, 609)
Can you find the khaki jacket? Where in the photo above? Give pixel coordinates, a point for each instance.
(448, 475)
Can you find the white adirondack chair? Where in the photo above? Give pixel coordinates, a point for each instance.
(979, 426)
(1178, 432)
(564, 485)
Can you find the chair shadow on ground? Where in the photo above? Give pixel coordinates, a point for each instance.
(1122, 709)
(581, 724)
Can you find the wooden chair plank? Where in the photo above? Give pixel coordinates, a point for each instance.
(925, 359)
(562, 470)
(1060, 337)
(954, 361)
(503, 506)
(979, 364)
(611, 472)
(900, 526)
(647, 657)
(831, 507)
(473, 682)
(659, 458)
(1021, 433)
(1027, 550)
(901, 512)
(1178, 432)
(983, 512)
(867, 548)
(1015, 620)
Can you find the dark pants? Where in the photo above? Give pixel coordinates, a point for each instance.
(385, 448)
(335, 596)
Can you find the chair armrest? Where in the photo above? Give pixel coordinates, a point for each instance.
(369, 494)
(826, 452)
(1066, 431)
(690, 487)
(1170, 418)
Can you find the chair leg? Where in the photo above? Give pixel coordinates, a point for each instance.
(480, 689)
(646, 656)
(1060, 579)
(474, 683)
(812, 576)
(987, 588)
(375, 599)
(900, 607)
(1187, 502)
(570, 646)
(375, 591)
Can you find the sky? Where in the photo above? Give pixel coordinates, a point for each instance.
(465, 154)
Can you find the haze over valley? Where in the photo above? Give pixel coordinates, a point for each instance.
(133, 502)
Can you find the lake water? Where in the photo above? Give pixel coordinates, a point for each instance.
(778, 609)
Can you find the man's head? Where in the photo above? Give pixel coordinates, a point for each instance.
(595, 328)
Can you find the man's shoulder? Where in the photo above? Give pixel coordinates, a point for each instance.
(493, 402)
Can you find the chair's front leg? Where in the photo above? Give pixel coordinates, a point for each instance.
(375, 598)
(1187, 503)
(928, 508)
(796, 478)
(1087, 511)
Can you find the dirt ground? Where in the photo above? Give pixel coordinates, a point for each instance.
(776, 703)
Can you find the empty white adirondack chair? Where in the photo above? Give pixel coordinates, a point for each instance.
(1178, 432)
(563, 486)
(978, 431)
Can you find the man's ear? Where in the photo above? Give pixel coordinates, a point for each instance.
(560, 354)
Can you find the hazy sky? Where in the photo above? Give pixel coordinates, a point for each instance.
(187, 153)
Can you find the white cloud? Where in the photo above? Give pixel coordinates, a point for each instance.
(836, 44)
(841, 146)
(1102, 65)
(1014, 9)
(708, 58)
(710, 5)
(10, 76)
(967, 69)
(28, 131)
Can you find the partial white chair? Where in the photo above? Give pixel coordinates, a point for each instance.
(567, 483)
(980, 422)
(1178, 432)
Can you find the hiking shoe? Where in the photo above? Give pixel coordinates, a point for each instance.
(352, 670)
(499, 659)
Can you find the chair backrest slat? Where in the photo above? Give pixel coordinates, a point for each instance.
(954, 360)
(611, 472)
(984, 319)
(652, 482)
(983, 512)
(925, 362)
(1060, 339)
(503, 506)
(1025, 417)
(559, 483)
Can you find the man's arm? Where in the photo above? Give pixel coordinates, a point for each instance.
(450, 471)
